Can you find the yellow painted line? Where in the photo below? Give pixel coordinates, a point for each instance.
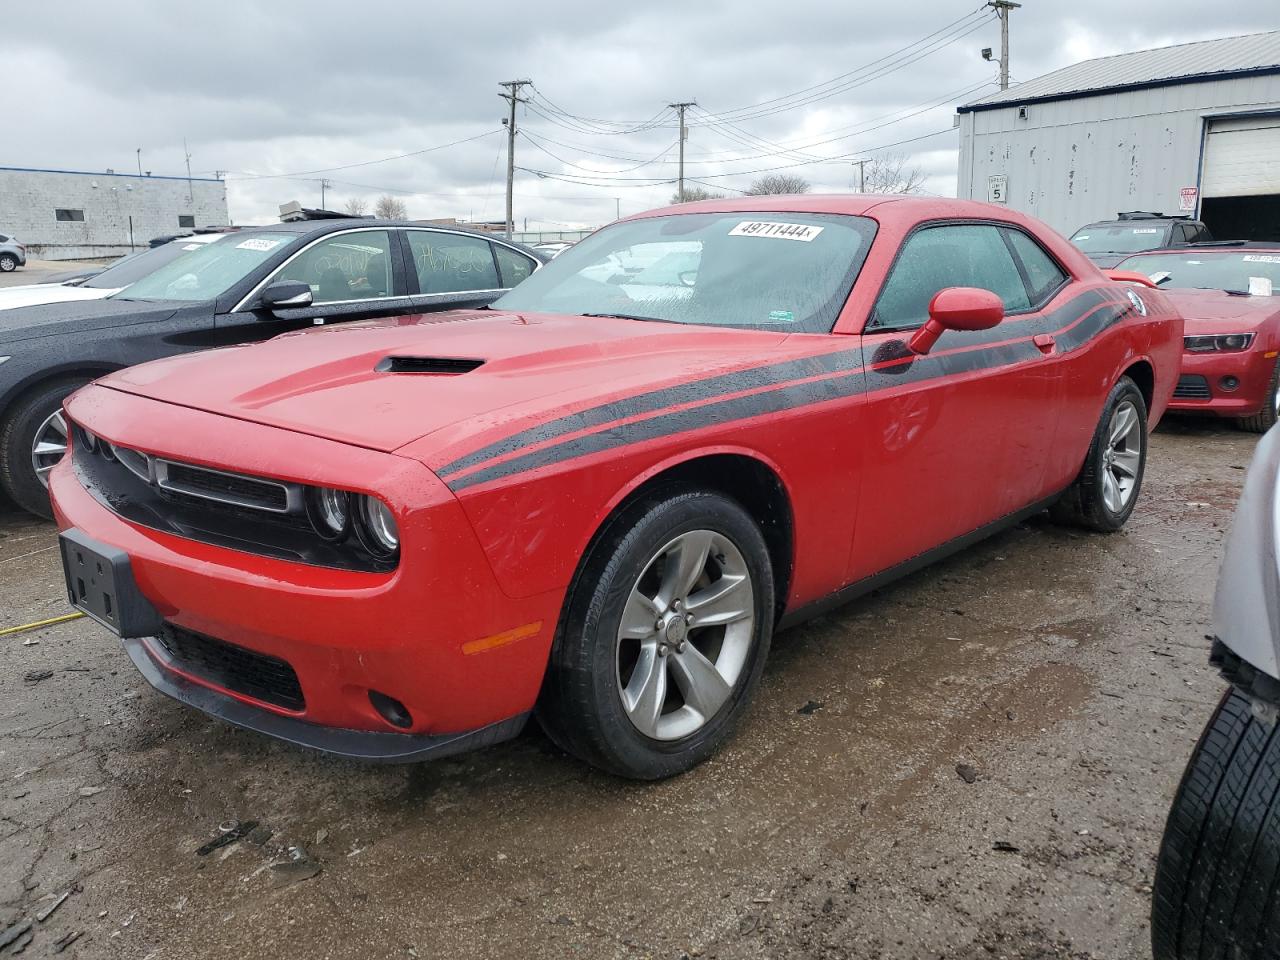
(65, 618)
(501, 639)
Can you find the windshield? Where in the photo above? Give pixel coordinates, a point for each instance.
(135, 266)
(753, 270)
(1256, 273)
(208, 271)
(1120, 238)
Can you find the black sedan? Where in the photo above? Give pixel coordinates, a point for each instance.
(243, 287)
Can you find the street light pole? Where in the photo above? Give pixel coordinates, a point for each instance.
(1002, 9)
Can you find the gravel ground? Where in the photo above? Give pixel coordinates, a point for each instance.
(1064, 674)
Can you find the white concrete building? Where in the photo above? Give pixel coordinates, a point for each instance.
(1193, 128)
(71, 214)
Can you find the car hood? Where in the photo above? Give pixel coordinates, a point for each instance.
(1214, 311)
(37, 293)
(335, 381)
(25, 323)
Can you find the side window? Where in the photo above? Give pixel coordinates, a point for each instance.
(1186, 233)
(1043, 274)
(350, 266)
(513, 266)
(452, 263)
(932, 259)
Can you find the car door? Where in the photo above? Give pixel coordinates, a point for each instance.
(353, 275)
(457, 270)
(957, 438)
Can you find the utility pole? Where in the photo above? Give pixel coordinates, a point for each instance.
(684, 135)
(862, 174)
(617, 208)
(324, 183)
(190, 195)
(1002, 9)
(139, 161)
(512, 96)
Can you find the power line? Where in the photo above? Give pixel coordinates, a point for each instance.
(362, 163)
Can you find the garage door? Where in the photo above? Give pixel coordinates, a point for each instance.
(1242, 157)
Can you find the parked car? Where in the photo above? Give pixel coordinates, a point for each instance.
(1230, 297)
(250, 285)
(396, 539)
(1219, 865)
(1108, 242)
(12, 254)
(103, 282)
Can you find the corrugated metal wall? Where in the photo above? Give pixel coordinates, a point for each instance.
(1075, 161)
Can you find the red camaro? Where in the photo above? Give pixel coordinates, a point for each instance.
(598, 499)
(1230, 295)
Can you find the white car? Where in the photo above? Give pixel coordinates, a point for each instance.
(111, 280)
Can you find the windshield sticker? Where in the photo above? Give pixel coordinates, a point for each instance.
(193, 246)
(781, 316)
(1145, 230)
(1260, 258)
(781, 231)
(1082, 236)
(1259, 286)
(258, 243)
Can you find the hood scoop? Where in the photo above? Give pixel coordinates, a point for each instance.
(439, 366)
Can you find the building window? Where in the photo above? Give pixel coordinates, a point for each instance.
(69, 216)
(187, 220)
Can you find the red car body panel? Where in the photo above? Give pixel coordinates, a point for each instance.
(500, 477)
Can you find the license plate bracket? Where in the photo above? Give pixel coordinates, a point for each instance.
(100, 583)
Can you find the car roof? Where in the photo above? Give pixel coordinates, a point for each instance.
(1214, 246)
(339, 224)
(1138, 222)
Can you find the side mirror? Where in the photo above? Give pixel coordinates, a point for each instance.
(284, 294)
(957, 308)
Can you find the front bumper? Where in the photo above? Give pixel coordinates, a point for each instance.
(1200, 388)
(436, 634)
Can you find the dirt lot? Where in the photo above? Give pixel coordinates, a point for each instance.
(1068, 670)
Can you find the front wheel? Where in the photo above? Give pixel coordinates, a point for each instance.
(8, 263)
(1217, 885)
(1106, 490)
(33, 439)
(664, 636)
(1265, 419)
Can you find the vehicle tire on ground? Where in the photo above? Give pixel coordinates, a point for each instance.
(1104, 494)
(1265, 419)
(32, 432)
(1217, 884)
(8, 263)
(663, 637)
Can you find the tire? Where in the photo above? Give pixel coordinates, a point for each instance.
(1217, 887)
(1265, 419)
(1091, 501)
(583, 705)
(8, 263)
(18, 431)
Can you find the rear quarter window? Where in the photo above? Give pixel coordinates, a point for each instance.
(1044, 276)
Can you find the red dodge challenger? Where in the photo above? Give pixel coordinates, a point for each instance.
(597, 499)
(1230, 296)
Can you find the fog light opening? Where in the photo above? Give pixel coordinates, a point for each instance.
(1229, 383)
(391, 710)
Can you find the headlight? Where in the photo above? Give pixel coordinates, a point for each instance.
(1223, 342)
(330, 512)
(376, 527)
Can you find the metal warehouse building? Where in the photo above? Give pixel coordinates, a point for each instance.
(70, 214)
(1193, 128)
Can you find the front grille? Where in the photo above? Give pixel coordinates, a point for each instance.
(223, 487)
(1192, 386)
(246, 672)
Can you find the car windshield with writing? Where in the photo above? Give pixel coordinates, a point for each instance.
(1118, 238)
(788, 271)
(209, 271)
(1238, 271)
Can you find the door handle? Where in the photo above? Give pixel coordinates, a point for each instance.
(1045, 342)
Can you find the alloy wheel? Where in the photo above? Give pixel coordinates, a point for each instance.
(49, 446)
(686, 634)
(1122, 457)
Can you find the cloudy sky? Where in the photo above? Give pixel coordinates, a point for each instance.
(279, 94)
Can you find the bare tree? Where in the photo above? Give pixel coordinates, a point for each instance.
(357, 206)
(778, 183)
(889, 173)
(389, 208)
(696, 193)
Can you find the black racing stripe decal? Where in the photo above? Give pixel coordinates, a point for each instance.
(742, 380)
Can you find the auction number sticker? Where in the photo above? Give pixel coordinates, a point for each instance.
(1146, 230)
(1258, 258)
(258, 243)
(780, 231)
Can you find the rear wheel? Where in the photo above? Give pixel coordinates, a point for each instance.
(1106, 490)
(1217, 886)
(1265, 419)
(32, 440)
(664, 636)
